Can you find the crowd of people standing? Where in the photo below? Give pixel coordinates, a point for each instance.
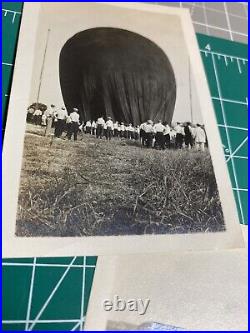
(157, 135)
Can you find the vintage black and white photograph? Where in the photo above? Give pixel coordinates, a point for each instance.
(116, 140)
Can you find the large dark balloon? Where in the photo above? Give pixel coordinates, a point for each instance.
(117, 73)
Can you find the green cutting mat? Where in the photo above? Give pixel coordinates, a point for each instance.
(226, 65)
(52, 293)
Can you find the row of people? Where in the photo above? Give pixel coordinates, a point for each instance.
(110, 129)
(159, 135)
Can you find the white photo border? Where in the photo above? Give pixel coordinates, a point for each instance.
(14, 246)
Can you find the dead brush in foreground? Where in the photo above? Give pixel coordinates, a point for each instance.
(93, 187)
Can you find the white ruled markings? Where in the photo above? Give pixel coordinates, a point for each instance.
(241, 63)
(11, 14)
(239, 66)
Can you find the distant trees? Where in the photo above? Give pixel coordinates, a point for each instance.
(38, 106)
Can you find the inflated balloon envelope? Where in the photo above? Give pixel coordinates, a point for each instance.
(118, 73)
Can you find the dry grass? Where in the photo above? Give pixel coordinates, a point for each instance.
(93, 187)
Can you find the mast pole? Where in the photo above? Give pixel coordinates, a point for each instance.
(190, 91)
(42, 68)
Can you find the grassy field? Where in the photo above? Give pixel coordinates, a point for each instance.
(93, 187)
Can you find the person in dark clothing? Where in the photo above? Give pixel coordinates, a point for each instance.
(188, 135)
(142, 134)
(149, 130)
(99, 127)
(166, 135)
(74, 124)
(88, 127)
(137, 133)
(159, 135)
(116, 134)
(130, 132)
(37, 117)
(122, 130)
(61, 116)
(30, 113)
(109, 128)
(179, 136)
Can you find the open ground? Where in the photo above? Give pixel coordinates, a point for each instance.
(94, 187)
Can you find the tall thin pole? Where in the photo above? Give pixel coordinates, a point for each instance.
(42, 68)
(190, 92)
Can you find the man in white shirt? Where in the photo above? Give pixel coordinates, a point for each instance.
(122, 130)
(119, 131)
(68, 124)
(88, 127)
(179, 136)
(142, 134)
(166, 134)
(44, 119)
(99, 127)
(110, 127)
(49, 119)
(136, 132)
(159, 135)
(105, 130)
(61, 116)
(130, 132)
(93, 128)
(126, 131)
(116, 129)
(200, 138)
(74, 125)
(149, 130)
(37, 117)
(172, 137)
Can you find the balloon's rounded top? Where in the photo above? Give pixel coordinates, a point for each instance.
(117, 72)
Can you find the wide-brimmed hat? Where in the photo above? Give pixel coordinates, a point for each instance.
(75, 109)
(150, 122)
(52, 105)
(109, 118)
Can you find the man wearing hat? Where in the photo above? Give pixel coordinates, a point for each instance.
(167, 136)
(130, 132)
(180, 134)
(159, 135)
(149, 130)
(200, 138)
(49, 113)
(142, 134)
(99, 127)
(110, 127)
(116, 129)
(37, 116)
(93, 128)
(136, 132)
(88, 127)
(60, 116)
(122, 130)
(74, 125)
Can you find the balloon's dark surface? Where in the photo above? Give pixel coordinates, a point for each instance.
(117, 73)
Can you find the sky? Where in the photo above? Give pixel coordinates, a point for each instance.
(55, 30)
